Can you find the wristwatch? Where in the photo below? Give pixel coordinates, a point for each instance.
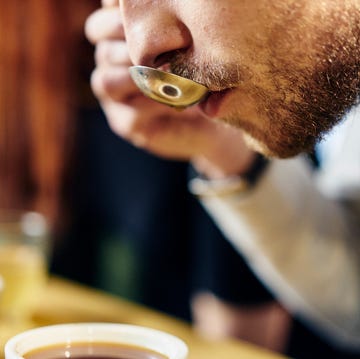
(200, 185)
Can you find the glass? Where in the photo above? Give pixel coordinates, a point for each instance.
(90, 334)
(23, 263)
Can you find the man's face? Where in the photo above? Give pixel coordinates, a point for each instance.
(284, 71)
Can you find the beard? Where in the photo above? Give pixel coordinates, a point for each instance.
(303, 92)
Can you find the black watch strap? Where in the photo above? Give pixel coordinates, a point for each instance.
(256, 170)
(202, 186)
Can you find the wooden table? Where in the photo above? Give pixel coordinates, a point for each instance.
(64, 301)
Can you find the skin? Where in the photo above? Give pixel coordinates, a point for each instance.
(291, 66)
(166, 132)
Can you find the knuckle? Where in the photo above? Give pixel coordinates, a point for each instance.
(96, 83)
(100, 53)
(111, 52)
(91, 26)
(110, 82)
(109, 3)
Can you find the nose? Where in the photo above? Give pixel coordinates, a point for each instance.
(153, 31)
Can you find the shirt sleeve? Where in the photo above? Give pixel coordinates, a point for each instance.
(299, 233)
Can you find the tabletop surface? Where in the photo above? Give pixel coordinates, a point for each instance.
(64, 301)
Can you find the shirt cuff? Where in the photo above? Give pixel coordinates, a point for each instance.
(203, 186)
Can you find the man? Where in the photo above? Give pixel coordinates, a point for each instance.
(284, 73)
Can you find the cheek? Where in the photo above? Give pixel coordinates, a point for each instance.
(242, 109)
(221, 30)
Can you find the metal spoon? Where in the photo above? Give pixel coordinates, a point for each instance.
(167, 88)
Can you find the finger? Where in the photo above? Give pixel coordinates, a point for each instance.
(146, 126)
(119, 116)
(113, 82)
(133, 123)
(103, 24)
(123, 120)
(109, 3)
(112, 52)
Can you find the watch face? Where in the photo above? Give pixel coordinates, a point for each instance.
(218, 187)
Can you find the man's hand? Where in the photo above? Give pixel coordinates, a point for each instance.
(218, 150)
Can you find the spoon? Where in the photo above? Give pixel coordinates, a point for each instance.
(167, 88)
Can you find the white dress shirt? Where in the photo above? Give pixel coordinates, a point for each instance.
(299, 231)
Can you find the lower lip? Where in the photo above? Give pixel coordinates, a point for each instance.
(211, 105)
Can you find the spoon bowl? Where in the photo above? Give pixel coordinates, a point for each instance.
(167, 88)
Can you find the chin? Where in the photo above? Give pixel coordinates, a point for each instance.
(280, 152)
(258, 146)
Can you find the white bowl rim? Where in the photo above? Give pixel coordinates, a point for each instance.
(167, 344)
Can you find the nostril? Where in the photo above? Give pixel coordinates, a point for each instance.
(164, 58)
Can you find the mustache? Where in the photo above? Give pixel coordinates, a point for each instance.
(215, 76)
